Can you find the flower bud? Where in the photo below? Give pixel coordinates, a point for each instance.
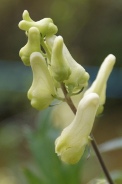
(100, 83)
(45, 26)
(70, 145)
(78, 77)
(33, 45)
(42, 90)
(59, 66)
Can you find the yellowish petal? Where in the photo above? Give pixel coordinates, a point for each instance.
(70, 145)
(42, 90)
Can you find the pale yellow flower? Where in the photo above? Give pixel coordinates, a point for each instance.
(42, 90)
(78, 78)
(45, 26)
(70, 145)
(100, 83)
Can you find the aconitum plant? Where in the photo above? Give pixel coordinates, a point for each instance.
(57, 76)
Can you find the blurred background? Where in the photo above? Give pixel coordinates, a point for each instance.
(91, 30)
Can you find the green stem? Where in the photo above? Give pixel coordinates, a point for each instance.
(93, 142)
(68, 99)
(46, 49)
(105, 170)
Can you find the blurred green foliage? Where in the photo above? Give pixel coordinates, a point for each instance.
(50, 167)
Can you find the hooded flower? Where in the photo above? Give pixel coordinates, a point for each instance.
(45, 26)
(100, 83)
(42, 90)
(70, 145)
(78, 78)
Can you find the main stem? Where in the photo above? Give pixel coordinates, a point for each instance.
(93, 142)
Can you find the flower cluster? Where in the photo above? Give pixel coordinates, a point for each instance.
(52, 65)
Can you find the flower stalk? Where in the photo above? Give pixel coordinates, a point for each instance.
(68, 99)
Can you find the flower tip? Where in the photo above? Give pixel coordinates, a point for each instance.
(33, 30)
(53, 28)
(20, 24)
(95, 98)
(110, 60)
(111, 57)
(59, 41)
(60, 38)
(90, 99)
(35, 56)
(25, 14)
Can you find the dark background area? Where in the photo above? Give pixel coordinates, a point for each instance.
(91, 29)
